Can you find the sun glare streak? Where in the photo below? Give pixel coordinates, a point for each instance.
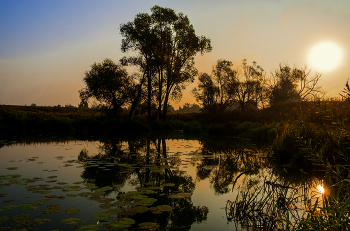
(325, 56)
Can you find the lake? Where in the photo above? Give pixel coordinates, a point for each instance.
(145, 183)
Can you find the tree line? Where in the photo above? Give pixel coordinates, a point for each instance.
(164, 44)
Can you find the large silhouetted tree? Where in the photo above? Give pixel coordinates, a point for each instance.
(108, 83)
(165, 44)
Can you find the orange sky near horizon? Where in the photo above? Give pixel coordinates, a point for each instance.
(46, 46)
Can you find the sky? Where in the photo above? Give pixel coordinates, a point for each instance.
(47, 46)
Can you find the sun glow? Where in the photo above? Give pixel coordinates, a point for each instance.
(325, 56)
(320, 188)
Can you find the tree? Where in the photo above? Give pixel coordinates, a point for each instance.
(165, 43)
(109, 84)
(216, 92)
(293, 84)
(251, 86)
(228, 88)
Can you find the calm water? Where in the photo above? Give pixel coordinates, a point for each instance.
(169, 184)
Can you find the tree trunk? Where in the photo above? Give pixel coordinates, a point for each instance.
(137, 99)
(149, 93)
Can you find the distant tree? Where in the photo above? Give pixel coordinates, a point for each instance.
(293, 84)
(171, 108)
(228, 88)
(84, 98)
(251, 85)
(216, 92)
(166, 44)
(109, 84)
(187, 108)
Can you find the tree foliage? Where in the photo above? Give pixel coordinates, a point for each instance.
(228, 88)
(165, 44)
(291, 84)
(109, 84)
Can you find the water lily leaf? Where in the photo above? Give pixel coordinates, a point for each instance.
(72, 210)
(3, 195)
(4, 219)
(154, 188)
(115, 211)
(123, 223)
(72, 221)
(53, 208)
(12, 168)
(40, 221)
(180, 195)
(138, 209)
(72, 195)
(162, 208)
(103, 189)
(10, 206)
(51, 177)
(84, 194)
(148, 225)
(121, 203)
(106, 206)
(8, 201)
(100, 216)
(89, 228)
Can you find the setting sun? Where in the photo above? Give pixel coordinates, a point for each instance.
(325, 56)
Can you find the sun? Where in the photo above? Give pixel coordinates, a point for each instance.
(325, 56)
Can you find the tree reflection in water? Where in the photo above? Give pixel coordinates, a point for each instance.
(146, 164)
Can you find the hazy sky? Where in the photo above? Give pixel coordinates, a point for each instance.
(46, 46)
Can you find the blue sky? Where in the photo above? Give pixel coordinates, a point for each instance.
(46, 46)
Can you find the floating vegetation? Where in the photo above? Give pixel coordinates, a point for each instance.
(148, 225)
(3, 195)
(40, 221)
(115, 211)
(51, 177)
(4, 219)
(121, 203)
(72, 195)
(106, 206)
(12, 168)
(123, 223)
(101, 216)
(89, 228)
(162, 208)
(72, 210)
(8, 201)
(72, 221)
(104, 189)
(53, 208)
(180, 195)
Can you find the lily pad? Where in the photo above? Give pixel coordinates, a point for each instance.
(123, 223)
(72, 210)
(104, 189)
(89, 228)
(148, 225)
(121, 203)
(53, 208)
(4, 219)
(115, 211)
(72, 221)
(105, 206)
(100, 216)
(40, 221)
(180, 195)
